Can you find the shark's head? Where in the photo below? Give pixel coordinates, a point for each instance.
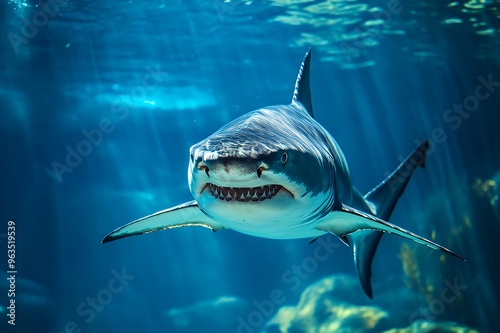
(266, 171)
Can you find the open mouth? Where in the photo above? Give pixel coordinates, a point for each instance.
(244, 194)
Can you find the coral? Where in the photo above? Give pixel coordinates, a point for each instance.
(410, 267)
(487, 188)
(327, 306)
(433, 327)
(320, 311)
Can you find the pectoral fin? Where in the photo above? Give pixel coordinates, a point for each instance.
(185, 215)
(345, 220)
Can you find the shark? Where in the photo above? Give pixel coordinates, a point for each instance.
(275, 172)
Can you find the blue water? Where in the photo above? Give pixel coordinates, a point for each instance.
(155, 77)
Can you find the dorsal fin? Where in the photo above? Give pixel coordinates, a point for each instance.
(302, 90)
(386, 194)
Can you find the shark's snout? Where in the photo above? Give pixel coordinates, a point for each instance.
(227, 169)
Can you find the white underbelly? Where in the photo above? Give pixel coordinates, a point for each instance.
(304, 231)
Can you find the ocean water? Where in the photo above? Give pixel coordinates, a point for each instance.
(101, 100)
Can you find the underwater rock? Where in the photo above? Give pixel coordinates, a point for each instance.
(329, 317)
(340, 286)
(339, 300)
(329, 306)
(218, 315)
(433, 327)
(34, 309)
(323, 308)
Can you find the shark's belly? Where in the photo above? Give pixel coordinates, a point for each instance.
(303, 231)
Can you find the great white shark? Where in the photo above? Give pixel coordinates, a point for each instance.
(277, 173)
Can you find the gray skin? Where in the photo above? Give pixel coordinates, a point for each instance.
(277, 173)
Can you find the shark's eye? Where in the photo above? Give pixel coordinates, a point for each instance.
(191, 156)
(284, 158)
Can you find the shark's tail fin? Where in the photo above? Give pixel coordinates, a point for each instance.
(383, 198)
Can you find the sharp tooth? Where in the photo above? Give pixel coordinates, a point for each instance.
(266, 190)
(243, 194)
(259, 191)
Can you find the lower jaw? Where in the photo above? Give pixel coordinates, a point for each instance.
(245, 201)
(281, 195)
